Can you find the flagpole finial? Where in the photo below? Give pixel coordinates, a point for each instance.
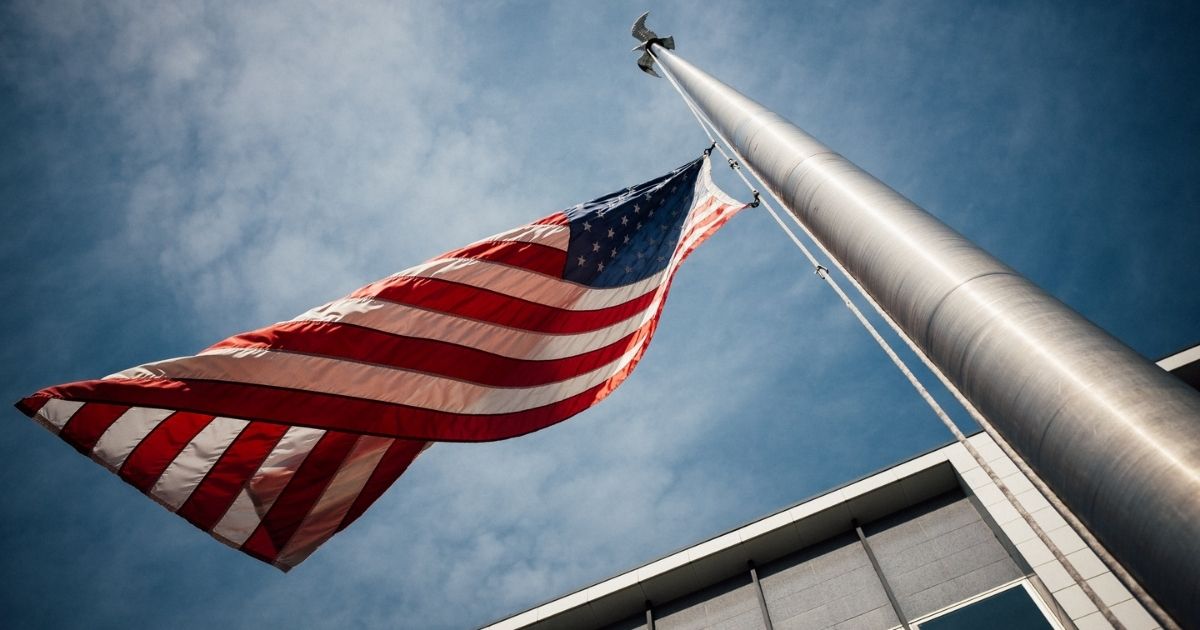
(648, 38)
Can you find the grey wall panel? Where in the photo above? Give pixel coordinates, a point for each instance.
(939, 552)
(749, 620)
(933, 554)
(731, 604)
(830, 585)
(882, 617)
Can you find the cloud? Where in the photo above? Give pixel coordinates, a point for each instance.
(275, 156)
(182, 172)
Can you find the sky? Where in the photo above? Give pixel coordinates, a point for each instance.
(174, 173)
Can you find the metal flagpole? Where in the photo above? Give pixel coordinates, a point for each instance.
(1113, 435)
(949, 423)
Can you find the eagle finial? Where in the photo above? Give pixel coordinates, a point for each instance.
(648, 38)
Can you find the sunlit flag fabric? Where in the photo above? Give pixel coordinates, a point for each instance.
(276, 439)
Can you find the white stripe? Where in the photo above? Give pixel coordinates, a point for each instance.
(183, 475)
(241, 519)
(527, 285)
(556, 236)
(115, 445)
(261, 366)
(409, 321)
(706, 186)
(559, 236)
(538, 287)
(56, 412)
(327, 514)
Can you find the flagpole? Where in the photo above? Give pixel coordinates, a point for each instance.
(1113, 435)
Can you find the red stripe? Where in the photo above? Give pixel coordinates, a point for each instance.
(322, 411)
(347, 341)
(333, 412)
(558, 218)
(719, 217)
(208, 503)
(302, 492)
(259, 546)
(486, 305)
(532, 256)
(272, 410)
(30, 406)
(338, 413)
(84, 428)
(393, 463)
(157, 450)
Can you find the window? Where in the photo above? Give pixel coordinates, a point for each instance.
(1012, 607)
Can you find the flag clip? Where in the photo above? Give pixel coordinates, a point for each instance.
(733, 164)
(821, 271)
(754, 204)
(708, 151)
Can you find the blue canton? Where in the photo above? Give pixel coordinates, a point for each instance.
(630, 235)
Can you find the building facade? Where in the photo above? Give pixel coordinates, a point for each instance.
(931, 544)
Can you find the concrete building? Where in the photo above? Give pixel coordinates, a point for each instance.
(931, 543)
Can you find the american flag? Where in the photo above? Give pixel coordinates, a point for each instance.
(276, 439)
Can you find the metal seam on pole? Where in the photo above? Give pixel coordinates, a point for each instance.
(901, 365)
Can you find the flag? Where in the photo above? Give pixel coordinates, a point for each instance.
(275, 439)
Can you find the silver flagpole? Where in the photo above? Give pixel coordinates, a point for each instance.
(1113, 435)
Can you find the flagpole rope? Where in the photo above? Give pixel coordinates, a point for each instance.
(720, 142)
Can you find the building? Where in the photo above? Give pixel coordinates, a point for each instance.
(930, 542)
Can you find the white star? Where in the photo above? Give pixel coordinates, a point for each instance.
(624, 220)
(661, 202)
(599, 266)
(663, 227)
(582, 261)
(641, 255)
(673, 188)
(639, 225)
(628, 269)
(611, 233)
(587, 227)
(595, 247)
(614, 253)
(626, 238)
(651, 214)
(661, 258)
(637, 209)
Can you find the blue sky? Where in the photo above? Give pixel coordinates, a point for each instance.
(172, 174)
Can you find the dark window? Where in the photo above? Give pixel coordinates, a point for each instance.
(1010, 609)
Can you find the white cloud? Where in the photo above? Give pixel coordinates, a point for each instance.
(279, 155)
(272, 156)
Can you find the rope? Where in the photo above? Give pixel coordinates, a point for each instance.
(713, 134)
